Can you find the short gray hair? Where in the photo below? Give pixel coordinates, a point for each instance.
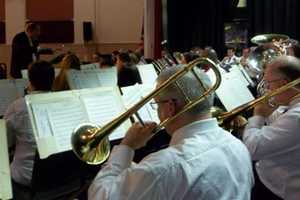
(288, 66)
(191, 87)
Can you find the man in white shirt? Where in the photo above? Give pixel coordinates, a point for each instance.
(203, 161)
(229, 59)
(274, 141)
(19, 130)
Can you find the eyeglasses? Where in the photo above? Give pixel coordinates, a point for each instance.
(267, 83)
(154, 105)
(272, 81)
(264, 86)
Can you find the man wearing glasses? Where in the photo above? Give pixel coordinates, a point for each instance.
(275, 143)
(203, 161)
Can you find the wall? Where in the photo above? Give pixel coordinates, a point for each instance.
(116, 24)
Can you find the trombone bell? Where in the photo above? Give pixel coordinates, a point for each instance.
(86, 147)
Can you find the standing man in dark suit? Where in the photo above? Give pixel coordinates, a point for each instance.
(24, 49)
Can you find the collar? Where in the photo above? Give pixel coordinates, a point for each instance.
(295, 100)
(198, 127)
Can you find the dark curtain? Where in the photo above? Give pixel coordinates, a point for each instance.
(274, 16)
(197, 23)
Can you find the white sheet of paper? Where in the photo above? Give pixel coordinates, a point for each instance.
(54, 116)
(237, 73)
(233, 92)
(147, 73)
(10, 91)
(102, 108)
(90, 66)
(108, 76)
(21, 85)
(133, 94)
(92, 78)
(5, 178)
(79, 79)
(64, 117)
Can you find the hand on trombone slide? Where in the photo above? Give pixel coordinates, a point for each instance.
(138, 134)
(264, 109)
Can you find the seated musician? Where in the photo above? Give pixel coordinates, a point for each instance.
(70, 61)
(128, 74)
(19, 130)
(203, 161)
(275, 143)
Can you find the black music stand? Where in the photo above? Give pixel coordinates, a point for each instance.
(57, 177)
(3, 71)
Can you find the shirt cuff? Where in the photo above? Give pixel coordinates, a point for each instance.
(121, 155)
(256, 122)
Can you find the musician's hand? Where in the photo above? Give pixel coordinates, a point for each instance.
(138, 135)
(238, 122)
(264, 109)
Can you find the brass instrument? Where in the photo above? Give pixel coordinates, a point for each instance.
(90, 142)
(226, 117)
(269, 38)
(270, 47)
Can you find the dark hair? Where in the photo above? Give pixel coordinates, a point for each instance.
(115, 52)
(189, 56)
(124, 57)
(106, 60)
(296, 49)
(31, 26)
(41, 75)
(71, 61)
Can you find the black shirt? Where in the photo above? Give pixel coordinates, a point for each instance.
(128, 75)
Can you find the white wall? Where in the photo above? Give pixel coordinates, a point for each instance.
(119, 21)
(14, 18)
(116, 24)
(114, 21)
(84, 10)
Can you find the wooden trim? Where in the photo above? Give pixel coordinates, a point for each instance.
(2, 33)
(49, 10)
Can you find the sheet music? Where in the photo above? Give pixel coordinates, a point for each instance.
(232, 93)
(236, 72)
(90, 66)
(80, 79)
(21, 85)
(5, 178)
(42, 120)
(108, 76)
(54, 116)
(102, 109)
(64, 118)
(148, 74)
(10, 91)
(133, 94)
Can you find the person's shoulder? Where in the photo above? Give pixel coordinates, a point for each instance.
(16, 108)
(293, 111)
(19, 105)
(19, 36)
(162, 161)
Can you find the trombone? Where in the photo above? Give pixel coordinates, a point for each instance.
(90, 142)
(226, 117)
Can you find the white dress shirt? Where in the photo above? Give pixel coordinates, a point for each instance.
(202, 162)
(277, 148)
(20, 132)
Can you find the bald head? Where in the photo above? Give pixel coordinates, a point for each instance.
(191, 87)
(286, 66)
